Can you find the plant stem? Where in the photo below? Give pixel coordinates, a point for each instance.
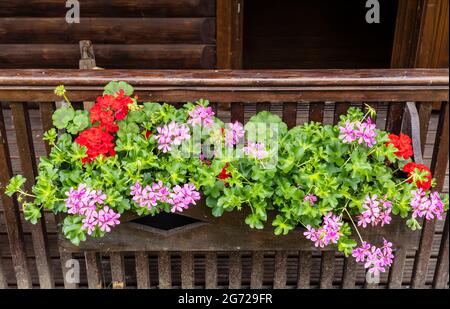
(354, 225)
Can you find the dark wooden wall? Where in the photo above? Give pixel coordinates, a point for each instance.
(126, 33)
(316, 34)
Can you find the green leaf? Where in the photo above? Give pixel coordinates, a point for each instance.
(62, 116)
(114, 87)
(31, 212)
(15, 184)
(79, 122)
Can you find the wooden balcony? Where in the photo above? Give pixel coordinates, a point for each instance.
(27, 101)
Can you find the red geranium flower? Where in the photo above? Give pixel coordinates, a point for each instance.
(108, 109)
(147, 133)
(411, 166)
(403, 144)
(223, 174)
(97, 142)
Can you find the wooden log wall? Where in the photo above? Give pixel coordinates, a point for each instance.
(145, 34)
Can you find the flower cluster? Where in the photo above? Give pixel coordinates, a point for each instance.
(108, 109)
(375, 259)
(426, 206)
(201, 116)
(97, 142)
(103, 115)
(183, 197)
(362, 132)
(328, 233)
(256, 150)
(173, 133)
(410, 169)
(375, 212)
(85, 202)
(149, 196)
(311, 198)
(224, 173)
(234, 133)
(403, 145)
(180, 198)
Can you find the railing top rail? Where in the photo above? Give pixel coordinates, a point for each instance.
(232, 85)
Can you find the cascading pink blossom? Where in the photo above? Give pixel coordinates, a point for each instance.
(90, 204)
(426, 206)
(375, 259)
(234, 133)
(361, 132)
(328, 233)
(171, 134)
(256, 150)
(201, 116)
(376, 211)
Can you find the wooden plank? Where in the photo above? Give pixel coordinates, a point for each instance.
(316, 111)
(280, 276)
(424, 110)
(164, 270)
(406, 33)
(257, 274)
(394, 117)
(3, 282)
(211, 270)
(229, 33)
(11, 213)
(117, 270)
(440, 280)
(142, 270)
(327, 270)
(149, 56)
(397, 269)
(25, 145)
(46, 112)
(290, 114)
(340, 109)
(349, 276)
(439, 160)
(304, 270)
(263, 106)
(235, 275)
(56, 30)
(111, 8)
(237, 112)
(187, 270)
(93, 270)
(69, 278)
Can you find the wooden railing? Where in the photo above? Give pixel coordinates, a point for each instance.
(299, 94)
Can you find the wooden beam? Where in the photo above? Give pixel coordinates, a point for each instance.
(229, 33)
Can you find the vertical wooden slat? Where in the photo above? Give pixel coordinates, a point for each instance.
(316, 111)
(340, 109)
(11, 213)
(290, 114)
(304, 270)
(187, 270)
(211, 270)
(93, 270)
(424, 110)
(396, 273)
(256, 280)
(438, 167)
(164, 270)
(440, 279)
(370, 285)
(65, 258)
(235, 276)
(327, 270)
(349, 276)
(439, 160)
(25, 146)
(117, 270)
(3, 282)
(263, 106)
(229, 23)
(142, 270)
(280, 276)
(394, 117)
(237, 112)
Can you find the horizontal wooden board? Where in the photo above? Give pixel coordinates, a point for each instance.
(107, 31)
(169, 56)
(109, 8)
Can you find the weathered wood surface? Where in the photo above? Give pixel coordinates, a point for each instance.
(231, 86)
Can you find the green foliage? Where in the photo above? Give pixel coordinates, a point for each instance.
(115, 86)
(15, 185)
